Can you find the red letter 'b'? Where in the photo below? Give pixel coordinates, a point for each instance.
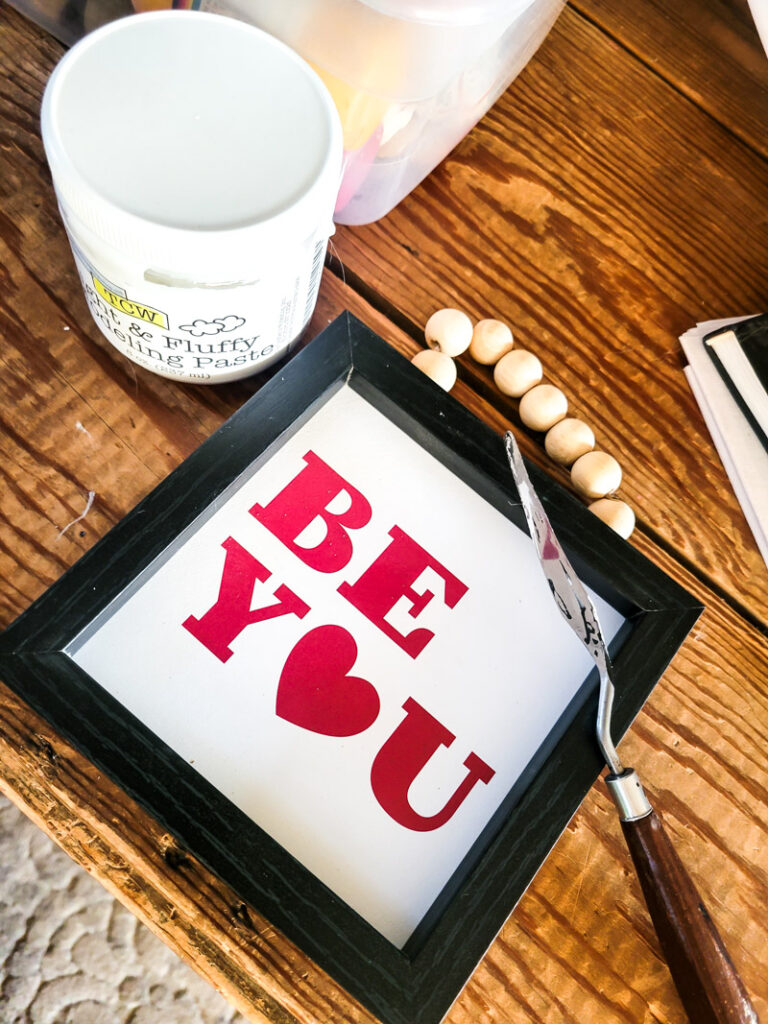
(305, 499)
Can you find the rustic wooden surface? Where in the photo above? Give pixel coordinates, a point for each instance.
(600, 229)
(615, 195)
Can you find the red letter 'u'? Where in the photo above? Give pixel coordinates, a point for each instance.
(404, 755)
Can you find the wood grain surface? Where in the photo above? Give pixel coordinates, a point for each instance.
(708, 984)
(601, 208)
(600, 213)
(580, 945)
(710, 52)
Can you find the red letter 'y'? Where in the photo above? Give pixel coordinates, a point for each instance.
(226, 619)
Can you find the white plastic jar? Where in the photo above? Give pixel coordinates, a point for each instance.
(196, 161)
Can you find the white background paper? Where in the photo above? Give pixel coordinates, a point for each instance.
(499, 671)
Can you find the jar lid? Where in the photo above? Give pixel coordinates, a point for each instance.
(449, 12)
(192, 141)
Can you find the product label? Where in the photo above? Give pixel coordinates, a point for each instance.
(126, 305)
(203, 334)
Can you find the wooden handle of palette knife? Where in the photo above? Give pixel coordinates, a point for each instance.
(710, 988)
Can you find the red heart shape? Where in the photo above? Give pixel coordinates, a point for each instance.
(315, 690)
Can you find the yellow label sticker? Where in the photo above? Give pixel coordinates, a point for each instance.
(135, 309)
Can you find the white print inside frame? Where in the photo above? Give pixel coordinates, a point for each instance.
(357, 650)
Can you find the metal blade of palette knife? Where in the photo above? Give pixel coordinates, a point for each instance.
(570, 595)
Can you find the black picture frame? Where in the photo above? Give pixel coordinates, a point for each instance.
(421, 981)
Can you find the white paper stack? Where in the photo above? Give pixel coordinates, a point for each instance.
(742, 454)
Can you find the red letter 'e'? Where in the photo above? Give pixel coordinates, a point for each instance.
(391, 577)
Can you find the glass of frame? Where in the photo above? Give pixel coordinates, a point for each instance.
(323, 655)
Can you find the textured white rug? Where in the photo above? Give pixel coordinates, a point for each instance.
(70, 954)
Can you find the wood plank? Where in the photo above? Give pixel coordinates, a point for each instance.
(601, 214)
(550, 962)
(710, 52)
(579, 946)
(561, 305)
(206, 923)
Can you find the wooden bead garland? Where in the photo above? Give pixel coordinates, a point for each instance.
(543, 407)
(491, 339)
(438, 366)
(568, 440)
(517, 372)
(616, 514)
(596, 474)
(449, 331)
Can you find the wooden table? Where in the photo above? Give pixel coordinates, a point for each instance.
(614, 196)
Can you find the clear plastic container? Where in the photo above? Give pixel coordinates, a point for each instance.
(69, 20)
(409, 77)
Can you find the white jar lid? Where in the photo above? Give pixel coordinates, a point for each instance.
(192, 141)
(449, 12)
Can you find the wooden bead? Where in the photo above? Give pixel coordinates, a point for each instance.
(438, 367)
(491, 339)
(449, 331)
(596, 474)
(616, 514)
(543, 406)
(517, 372)
(568, 440)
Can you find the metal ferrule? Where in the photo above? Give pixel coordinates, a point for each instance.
(628, 795)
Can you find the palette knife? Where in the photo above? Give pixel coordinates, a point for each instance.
(707, 981)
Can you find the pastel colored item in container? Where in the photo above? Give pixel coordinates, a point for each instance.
(399, 130)
(361, 115)
(355, 168)
(360, 112)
